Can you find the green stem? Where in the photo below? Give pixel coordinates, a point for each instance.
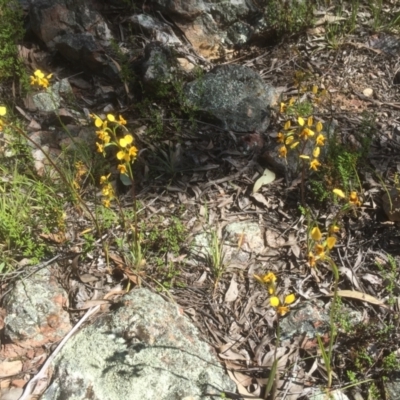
(332, 319)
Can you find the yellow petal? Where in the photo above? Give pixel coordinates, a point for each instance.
(274, 301)
(316, 234)
(128, 139)
(304, 157)
(300, 121)
(3, 111)
(290, 298)
(121, 155)
(314, 164)
(289, 140)
(316, 152)
(291, 101)
(271, 289)
(110, 117)
(310, 121)
(315, 89)
(270, 277)
(286, 126)
(339, 193)
(295, 144)
(319, 249)
(282, 310)
(330, 242)
(319, 126)
(98, 122)
(334, 229)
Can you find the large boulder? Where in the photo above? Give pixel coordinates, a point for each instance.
(213, 26)
(145, 349)
(234, 97)
(73, 28)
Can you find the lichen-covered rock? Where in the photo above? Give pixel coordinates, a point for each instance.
(234, 97)
(144, 349)
(34, 311)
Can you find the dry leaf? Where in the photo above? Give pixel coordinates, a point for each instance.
(260, 198)
(232, 292)
(54, 237)
(330, 19)
(93, 303)
(353, 294)
(274, 239)
(267, 177)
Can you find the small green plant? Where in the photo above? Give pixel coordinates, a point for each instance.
(164, 235)
(23, 233)
(391, 363)
(343, 161)
(171, 273)
(289, 17)
(352, 376)
(216, 257)
(11, 33)
(89, 243)
(389, 273)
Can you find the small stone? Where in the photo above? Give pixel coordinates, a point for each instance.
(368, 92)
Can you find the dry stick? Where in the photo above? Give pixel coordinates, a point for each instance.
(42, 373)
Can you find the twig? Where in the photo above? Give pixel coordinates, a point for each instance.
(42, 373)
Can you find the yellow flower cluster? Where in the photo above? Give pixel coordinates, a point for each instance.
(3, 112)
(127, 152)
(81, 170)
(321, 247)
(38, 78)
(353, 197)
(107, 190)
(297, 138)
(281, 307)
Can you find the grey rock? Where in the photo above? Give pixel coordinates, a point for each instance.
(53, 18)
(45, 102)
(77, 32)
(392, 387)
(312, 318)
(188, 9)
(34, 310)
(145, 349)
(157, 65)
(322, 395)
(212, 26)
(51, 99)
(239, 33)
(234, 97)
(162, 32)
(250, 234)
(388, 43)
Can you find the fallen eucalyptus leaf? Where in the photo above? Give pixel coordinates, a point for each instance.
(353, 294)
(267, 177)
